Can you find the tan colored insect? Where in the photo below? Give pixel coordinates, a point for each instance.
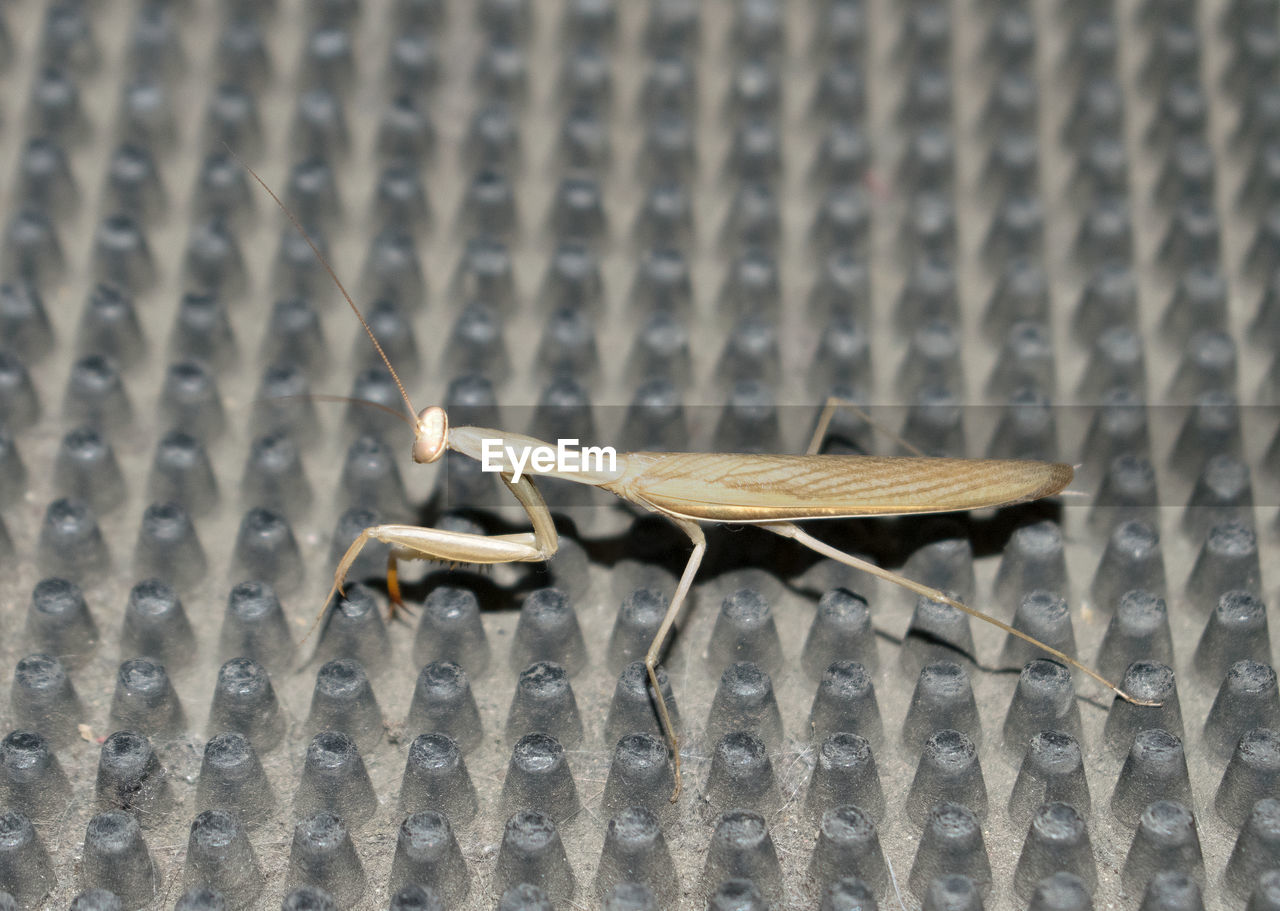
(772, 492)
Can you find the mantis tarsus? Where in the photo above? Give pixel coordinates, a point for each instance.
(772, 492)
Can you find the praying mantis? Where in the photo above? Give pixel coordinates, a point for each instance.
(772, 492)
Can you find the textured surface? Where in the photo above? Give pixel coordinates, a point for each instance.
(942, 209)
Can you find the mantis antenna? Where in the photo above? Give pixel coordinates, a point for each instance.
(328, 267)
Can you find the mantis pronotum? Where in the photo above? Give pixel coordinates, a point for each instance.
(772, 492)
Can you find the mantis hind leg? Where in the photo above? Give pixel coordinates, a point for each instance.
(788, 530)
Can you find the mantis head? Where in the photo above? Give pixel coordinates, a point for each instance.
(431, 434)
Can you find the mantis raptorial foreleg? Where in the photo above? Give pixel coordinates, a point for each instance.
(413, 542)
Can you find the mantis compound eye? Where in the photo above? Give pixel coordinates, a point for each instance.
(431, 434)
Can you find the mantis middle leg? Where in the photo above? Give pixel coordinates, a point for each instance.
(694, 531)
(829, 412)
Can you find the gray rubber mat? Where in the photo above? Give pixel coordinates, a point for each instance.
(1044, 229)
